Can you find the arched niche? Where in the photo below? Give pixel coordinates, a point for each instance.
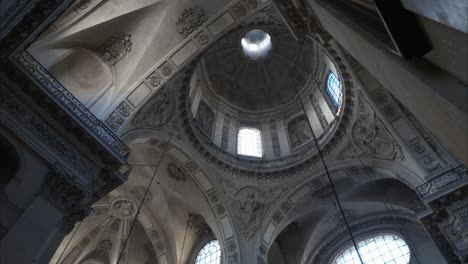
(84, 74)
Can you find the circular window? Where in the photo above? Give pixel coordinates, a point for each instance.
(209, 254)
(256, 44)
(383, 248)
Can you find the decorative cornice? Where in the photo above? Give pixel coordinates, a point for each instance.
(444, 183)
(71, 105)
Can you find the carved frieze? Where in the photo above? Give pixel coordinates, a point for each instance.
(190, 20)
(444, 183)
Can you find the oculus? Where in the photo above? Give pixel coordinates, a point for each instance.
(256, 44)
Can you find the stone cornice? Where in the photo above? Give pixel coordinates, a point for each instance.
(47, 117)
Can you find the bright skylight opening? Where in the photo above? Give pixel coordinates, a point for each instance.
(334, 89)
(256, 44)
(249, 142)
(382, 249)
(209, 254)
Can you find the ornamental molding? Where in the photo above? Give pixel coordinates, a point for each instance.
(443, 184)
(67, 101)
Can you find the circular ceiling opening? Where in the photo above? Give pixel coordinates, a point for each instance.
(256, 44)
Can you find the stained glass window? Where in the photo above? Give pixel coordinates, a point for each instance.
(249, 142)
(380, 249)
(334, 89)
(209, 254)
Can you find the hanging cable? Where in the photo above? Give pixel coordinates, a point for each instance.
(332, 185)
(68, 243)
(146, 192)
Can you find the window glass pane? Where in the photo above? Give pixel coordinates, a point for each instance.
(382, 249)
(334, 89)
(209, 254)
(249, 142)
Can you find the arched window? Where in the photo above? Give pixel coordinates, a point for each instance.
(334, 89)
(382, 248)
(209, 254)
(249, 142)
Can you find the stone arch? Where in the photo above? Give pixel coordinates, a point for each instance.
(296, 203)
(218, 217)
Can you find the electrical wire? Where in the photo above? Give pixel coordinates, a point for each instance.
(146, 193)
(332, 185)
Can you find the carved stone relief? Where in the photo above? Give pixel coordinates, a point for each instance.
(176, 172)
(299, 131)
(190, 20)
(372, 139)
(157, 112)
(205, 117)
(123, 208)
(198, 224)
(115, 48)
(250, 205)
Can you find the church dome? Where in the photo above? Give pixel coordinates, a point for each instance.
(260, 112)
(253, 69)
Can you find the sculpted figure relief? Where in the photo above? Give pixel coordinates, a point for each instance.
(205, 117)
(156, 112)
(372, 139)
(250, 205)
(250, 210)
(299, 131)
